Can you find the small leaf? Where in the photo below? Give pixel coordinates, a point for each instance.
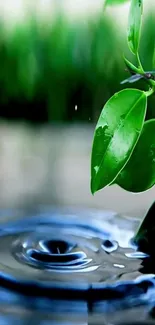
(116, 135)
(139, 173)
(134, 24)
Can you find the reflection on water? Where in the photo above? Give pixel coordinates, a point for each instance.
(59, 266)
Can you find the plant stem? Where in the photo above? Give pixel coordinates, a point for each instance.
(151, 83)
(131, 67)
(149, 92)
(139, 63)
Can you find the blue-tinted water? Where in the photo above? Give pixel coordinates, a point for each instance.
(73, 267)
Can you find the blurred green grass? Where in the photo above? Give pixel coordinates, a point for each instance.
(46, 72)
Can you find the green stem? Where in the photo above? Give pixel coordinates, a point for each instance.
(139, 63)
(131, 66)
(151, 83)
(149, 92)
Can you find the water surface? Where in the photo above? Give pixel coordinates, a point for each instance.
(68, 266)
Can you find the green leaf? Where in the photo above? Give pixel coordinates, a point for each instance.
(139, 173)
(134, 25)
(116, 134)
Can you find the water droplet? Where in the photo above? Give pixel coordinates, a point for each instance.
(115, 95)
(109, 246)
(96, 168)
(136, 255)
(120, 266)
(76, 107)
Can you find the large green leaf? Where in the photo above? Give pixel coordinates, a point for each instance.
(116, 134)
(134, 24)
(139, 173)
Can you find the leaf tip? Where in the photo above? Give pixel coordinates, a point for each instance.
(92, 188)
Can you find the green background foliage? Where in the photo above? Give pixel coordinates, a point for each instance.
(114, 2)
(46, 71)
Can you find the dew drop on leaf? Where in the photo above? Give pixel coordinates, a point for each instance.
(96, 168)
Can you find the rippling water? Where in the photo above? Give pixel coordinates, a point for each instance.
(73, 267)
